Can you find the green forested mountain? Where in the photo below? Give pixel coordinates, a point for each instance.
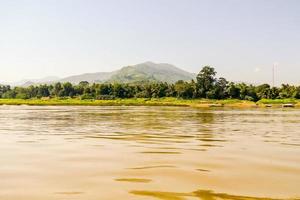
(151, 72)
(144, 72)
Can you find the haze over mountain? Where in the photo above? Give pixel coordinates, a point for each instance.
(90, 77)
(143, 72)
(28, 82)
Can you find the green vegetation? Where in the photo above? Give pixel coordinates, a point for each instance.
(165, 101)
(117, 102)
(92, 102)
(206, 90)
(278, 101)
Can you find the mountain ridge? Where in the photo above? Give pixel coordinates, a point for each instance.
(143, 72)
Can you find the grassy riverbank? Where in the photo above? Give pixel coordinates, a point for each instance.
(151, 102)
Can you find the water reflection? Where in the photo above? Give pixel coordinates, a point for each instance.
(148, 152)
(199, 194)
(134, 180)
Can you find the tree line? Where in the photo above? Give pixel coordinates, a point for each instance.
(206, 85)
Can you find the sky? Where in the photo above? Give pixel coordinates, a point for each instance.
(241, 39)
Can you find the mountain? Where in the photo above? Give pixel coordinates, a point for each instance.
(144, 72)
(28, 82)
(150, 71)
(90, 77)
(147, 71)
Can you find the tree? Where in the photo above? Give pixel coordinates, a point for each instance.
(10, 94)
(286, 91)
(159, 90)
(4, 89)
(274, 93)
(263, 91)
(119, 91)
(67, 90)
(206, 80)
(220, 88)
(247, 92)
(184, 89)
(233, 91)
(84, 84)
(296, 93)
(21, 93)
(56, 91)
(43, 91)
(32, 91)
(251, 94)
(105, 89)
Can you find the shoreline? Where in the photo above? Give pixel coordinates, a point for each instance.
(197, 103)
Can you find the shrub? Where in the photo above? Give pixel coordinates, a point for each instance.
(86, 96)
(105, 97)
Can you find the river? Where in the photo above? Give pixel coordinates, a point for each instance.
(134, 153)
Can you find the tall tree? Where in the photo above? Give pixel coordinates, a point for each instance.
(206, 80)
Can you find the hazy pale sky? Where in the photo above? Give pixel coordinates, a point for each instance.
(240, 38)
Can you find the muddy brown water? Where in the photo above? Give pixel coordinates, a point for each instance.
(133, 153)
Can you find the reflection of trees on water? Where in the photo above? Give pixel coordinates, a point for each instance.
(205, 126)
(205, 117)
(148, 124)
(152, 124)
(201, 194)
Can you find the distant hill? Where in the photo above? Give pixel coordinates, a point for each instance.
(144, 72)
(147, 71)
(28, 82)
(90, 77)
(150, 71)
